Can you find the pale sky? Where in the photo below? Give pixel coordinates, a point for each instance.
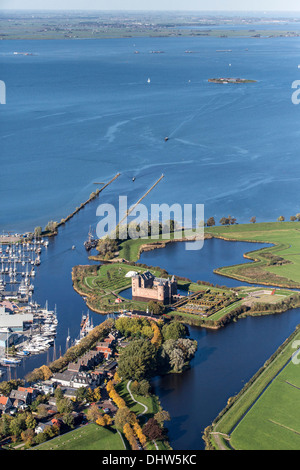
(184, 5)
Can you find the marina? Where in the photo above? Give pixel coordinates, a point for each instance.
(25, 327)
(17, 267)
(34, 335)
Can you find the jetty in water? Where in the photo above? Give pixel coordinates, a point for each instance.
(140, 200)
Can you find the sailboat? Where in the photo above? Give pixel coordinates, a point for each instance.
(148, 81)
(68, 339)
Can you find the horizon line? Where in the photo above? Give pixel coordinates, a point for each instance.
(152, 11)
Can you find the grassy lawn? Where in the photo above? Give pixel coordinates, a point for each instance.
(274, 421)
(89, 437)
(130, 249)
(102, 286)
(153, 405)
(278, 265)
(267, 414)
(150, 402)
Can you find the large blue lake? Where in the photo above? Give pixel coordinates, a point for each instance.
(81, 111)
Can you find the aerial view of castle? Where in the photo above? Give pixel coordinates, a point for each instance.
(147, 287)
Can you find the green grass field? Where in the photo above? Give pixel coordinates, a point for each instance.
(266, 415)
(278, 265)
(274, 421)
(152, 404)
(130, 249)
(103, 288)
(89, 437)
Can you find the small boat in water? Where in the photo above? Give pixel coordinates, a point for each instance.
(10, 361)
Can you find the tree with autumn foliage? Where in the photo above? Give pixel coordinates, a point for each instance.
(104, 420)
(123, 416)
(139, 433)
(129, 434)
(93, 413)
(153, 431)
(47, 374)
(113, 394)
(117, 378)
(157, 338)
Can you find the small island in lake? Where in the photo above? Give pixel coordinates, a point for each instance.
(230, 80)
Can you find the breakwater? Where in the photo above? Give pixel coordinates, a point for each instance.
(93, 196)
(128, 212)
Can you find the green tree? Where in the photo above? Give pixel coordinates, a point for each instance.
(30, 421)
(155, 307)
(138, 360)
(17, 425)
(38, 232)
(161, 417)
(69, 420)
(64, 405)
(58, 394)
(175, 355)
(174, 330)
(211, 222)
(124, 416)
(5, 425)
(224, 221)
(51, 226)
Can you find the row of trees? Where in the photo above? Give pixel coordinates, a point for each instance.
(144, 328)
(144, 229)
(113, 394)
(72, 354)
(231, 220)
(223, 221)
(293, 218)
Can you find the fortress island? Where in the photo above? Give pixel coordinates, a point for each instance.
(230, 80)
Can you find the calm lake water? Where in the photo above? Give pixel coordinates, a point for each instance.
(81, 111)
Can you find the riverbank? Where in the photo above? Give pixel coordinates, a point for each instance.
(246, 423)
(278, 265)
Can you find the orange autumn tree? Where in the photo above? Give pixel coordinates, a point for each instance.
(139, 433)
(157, 336)
(113, 394)
(104, 420)
(129, 434)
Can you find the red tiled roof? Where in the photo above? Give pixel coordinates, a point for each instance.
(25, 389)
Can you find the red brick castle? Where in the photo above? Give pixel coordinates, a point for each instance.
(147, 287)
